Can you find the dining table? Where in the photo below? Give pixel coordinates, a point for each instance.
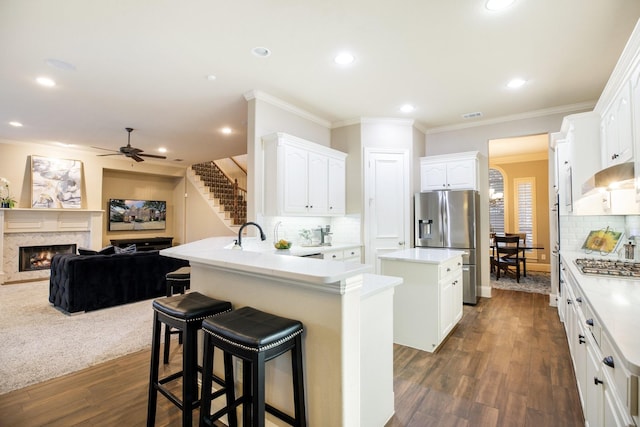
(523, 246)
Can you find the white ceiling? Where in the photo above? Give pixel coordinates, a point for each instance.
(143, 64)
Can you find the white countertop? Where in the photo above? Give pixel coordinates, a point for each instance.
(257, 259)
(616, 304)
(423, 255)
(374, 283)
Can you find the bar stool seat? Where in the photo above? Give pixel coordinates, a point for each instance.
(255, 337)
(184, 313)
(177, 281)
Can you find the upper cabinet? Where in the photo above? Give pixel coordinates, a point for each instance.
(582, 135)
(302, 178)
(616, 129)
(449, 172)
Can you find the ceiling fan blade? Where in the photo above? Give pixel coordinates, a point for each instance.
(155, 156)
(136, 157)
(106, 149)
(102, 155)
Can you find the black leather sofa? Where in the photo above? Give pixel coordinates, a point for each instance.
(91, 282)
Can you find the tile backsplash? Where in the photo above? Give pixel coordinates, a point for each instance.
(345, 229)
(575, 228)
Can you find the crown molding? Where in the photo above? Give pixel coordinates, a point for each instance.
(566, 109)
(277, 102)
(373, 120)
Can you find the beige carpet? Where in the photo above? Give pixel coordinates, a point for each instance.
(39, 342)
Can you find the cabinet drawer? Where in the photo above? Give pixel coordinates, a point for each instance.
(334, 255)
(352, 255)
(449, 267)
(626, 385)
(592, 324)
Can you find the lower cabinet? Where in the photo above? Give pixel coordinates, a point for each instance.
(345, 255)
(428, 304)
(608, 392)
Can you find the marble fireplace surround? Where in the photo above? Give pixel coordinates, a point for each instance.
(39, 227)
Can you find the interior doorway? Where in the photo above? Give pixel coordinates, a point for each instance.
(522, 163)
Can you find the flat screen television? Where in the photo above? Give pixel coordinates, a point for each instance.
(137, 215)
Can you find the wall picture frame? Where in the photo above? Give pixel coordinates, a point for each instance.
(56, 183)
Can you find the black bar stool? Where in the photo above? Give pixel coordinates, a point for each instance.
(177, 282)
(185, 313)
(255, 337)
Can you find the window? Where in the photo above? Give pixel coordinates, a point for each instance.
(496, 201)
(525, 212)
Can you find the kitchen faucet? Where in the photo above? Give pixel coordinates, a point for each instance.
(262, 235)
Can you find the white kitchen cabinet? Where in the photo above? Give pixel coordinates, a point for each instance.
(449, 172)
(337, 186)
(582, 134)
(608, 392)
(428, 304)
(345, 255)
(616, 132)
(302, 178)
(635, 124)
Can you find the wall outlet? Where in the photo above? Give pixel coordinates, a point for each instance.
(543, 257)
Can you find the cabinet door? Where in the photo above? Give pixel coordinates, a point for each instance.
(593, 407)
(294, 171)
(318, 182)
(337, 185)
(461, 174)
(433, 176)
(635, 123)
(446, 306)
(458, 295)
(616, 130)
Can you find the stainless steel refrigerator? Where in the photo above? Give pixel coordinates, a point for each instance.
(449, 219)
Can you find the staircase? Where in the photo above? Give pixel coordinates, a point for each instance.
(223, 193)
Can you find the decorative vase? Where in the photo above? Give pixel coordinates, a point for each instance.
(4, 205)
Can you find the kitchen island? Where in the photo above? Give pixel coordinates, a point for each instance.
(429, 303)
(339, 305)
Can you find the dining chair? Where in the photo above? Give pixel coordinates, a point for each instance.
(523, 244)
(507, 255)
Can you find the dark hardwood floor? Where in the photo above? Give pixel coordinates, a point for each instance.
(506, 364)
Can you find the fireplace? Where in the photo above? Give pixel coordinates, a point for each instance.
(33, 258)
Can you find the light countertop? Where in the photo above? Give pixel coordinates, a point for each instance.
(423, 255)
(269, 262)
(615, 302)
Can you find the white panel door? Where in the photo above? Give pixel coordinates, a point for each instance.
(318, 184)
(295, 173)
(387, 204)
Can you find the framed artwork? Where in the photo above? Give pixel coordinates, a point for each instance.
(56, 183)
(603, 241)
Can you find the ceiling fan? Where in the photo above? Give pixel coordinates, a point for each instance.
(129, 151)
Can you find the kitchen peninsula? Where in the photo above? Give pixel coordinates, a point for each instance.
(345, 311)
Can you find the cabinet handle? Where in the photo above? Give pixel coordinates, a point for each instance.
(609, 361)
(569, 301)
(579, 299)
(597, 381)
(589, 322)
(330, 207)
(581, 339)
(448, 269)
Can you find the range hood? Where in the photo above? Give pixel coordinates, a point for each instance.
(613, 177)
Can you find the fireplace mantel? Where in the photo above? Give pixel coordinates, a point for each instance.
(20, 225)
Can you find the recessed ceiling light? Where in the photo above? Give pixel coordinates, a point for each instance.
(499, 4)
(516, 83)
(16, 124)
(407, 108)
(344, 58)
(261, 52)
(45, 81)
(226, 130)
(211, 77)
(162, 150)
